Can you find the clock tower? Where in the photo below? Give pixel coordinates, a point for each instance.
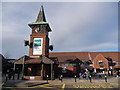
(39, 39)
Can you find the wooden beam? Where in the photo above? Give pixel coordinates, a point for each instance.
(23, 67)
(42, 71)
(51, 71)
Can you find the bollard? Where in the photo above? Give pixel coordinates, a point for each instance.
(9, 76)
(6, 77)
(105, 78)
(18, 76)
(47, 78)
(13, 76)
(22, 76)
(75, 78)
(90, 79)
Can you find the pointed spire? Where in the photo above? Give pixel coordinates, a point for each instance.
(41, 15)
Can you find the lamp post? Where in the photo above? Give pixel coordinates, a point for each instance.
(13, 75)
(6, 77)
(105, 78)
(90, 79)
(75, 78)
(61, 78)
(18, 75)
(14, 72)
(47, 78)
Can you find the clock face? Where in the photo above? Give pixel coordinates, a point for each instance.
(37, 30)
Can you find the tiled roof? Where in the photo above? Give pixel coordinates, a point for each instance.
(47, 60)
(66, 58)
(27, 59)
(37, 60)
(74, 55)
(21, 59)
(86, 55)
(113, 55)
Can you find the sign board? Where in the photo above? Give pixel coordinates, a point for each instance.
(37, 46)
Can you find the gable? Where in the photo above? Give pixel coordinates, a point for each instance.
(100, 57)
(100, 61)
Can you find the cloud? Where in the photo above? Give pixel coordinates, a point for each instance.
(60, 1)
(75, 26)
(91, 25)
(0, 28)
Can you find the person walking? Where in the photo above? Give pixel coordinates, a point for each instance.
(87, 74)
(80, 74)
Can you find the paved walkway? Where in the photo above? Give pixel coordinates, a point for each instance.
(66, 83)
(23, 83)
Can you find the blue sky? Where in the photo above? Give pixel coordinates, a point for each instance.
(76, 27)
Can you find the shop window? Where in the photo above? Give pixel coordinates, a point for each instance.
(101, 63)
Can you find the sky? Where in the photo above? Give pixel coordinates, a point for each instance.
(76, 26)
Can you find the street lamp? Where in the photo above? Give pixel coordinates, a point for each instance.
(105, 78)
(90, 79)
(61, 77)
(47, 78)
(75, 78)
